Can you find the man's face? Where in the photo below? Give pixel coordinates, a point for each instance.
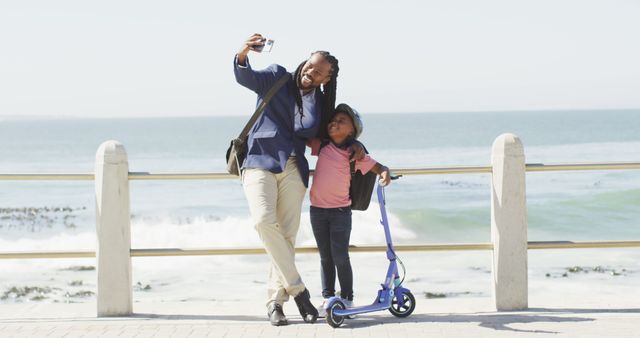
(316, 72)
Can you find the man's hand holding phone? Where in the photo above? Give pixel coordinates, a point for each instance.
(264, 47)
(256, 43)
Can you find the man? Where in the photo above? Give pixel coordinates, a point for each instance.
(275, 173)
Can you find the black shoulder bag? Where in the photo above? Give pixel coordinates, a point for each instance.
(238, 148)
(361, 187)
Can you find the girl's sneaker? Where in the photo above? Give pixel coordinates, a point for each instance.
(349, 304)
(322, 312)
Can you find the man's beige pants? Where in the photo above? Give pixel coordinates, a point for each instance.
(275, 202)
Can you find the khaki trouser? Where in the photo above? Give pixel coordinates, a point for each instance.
(275, 203)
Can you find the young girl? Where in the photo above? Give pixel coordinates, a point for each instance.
(330, 201)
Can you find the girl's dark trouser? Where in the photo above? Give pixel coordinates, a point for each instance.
(332, 229)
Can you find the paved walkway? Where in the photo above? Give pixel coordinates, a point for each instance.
(458, 317)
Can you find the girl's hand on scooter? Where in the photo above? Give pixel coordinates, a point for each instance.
(385, 177)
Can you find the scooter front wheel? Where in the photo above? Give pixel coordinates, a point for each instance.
(404, 310)
(333, 319)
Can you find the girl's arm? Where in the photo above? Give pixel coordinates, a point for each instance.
(383, 172)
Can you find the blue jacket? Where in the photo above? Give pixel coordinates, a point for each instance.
(273, 137)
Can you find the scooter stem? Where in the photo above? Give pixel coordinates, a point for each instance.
(385, 222)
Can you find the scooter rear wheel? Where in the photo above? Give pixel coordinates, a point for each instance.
(406, 309)
(333, 319)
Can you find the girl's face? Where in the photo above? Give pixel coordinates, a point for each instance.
(340, 127)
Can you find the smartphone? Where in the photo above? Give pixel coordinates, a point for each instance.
(266, 47)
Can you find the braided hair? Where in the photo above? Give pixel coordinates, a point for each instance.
(328, 91)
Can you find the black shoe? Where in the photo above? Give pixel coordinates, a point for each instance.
(275, 314)
(308, 312)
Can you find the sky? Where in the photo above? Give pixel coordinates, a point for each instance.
(175, 58)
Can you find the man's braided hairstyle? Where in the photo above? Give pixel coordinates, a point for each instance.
(328, 91)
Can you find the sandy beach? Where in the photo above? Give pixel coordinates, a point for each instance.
(594, 276)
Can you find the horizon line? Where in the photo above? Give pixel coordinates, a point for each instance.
(69, 116)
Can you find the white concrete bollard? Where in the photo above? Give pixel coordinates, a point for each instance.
(509, 224)
(113, 226)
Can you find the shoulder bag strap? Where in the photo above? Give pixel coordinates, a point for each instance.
(352, 164)
(263, 104)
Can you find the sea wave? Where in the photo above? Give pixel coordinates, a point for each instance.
(197, 231)
(596, 215)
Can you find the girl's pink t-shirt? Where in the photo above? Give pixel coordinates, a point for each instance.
(332, 178)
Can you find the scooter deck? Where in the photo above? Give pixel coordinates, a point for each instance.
(363, 309)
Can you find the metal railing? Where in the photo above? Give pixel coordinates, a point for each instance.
(531, 167)
(163, 252)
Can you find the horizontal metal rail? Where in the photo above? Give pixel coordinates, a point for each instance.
(47, 254)
(144, 176)
(533, 167)
(304, 250)
(47, 177)
(582, 244)
(442, 170)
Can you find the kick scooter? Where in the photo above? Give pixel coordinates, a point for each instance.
(393, 297)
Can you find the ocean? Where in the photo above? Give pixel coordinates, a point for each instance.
(60, 215)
